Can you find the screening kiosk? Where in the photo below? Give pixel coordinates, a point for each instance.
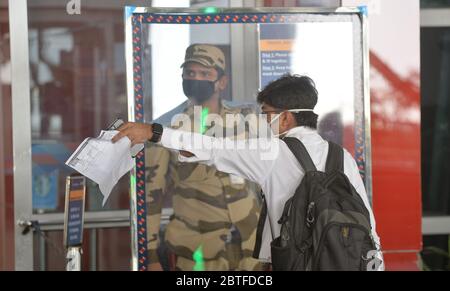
(260, 45)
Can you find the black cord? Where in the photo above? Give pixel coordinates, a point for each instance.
(36, 228)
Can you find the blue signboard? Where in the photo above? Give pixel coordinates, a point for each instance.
(275, 42)
(48, 168)
(45, 187)
(74, 212)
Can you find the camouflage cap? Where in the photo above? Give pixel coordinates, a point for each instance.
(204, 54)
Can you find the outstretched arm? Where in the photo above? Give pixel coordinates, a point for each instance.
(251, 159)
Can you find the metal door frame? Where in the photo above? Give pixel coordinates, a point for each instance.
(435, 17)
(20, 91)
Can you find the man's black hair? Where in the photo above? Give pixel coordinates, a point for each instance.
(292, 92)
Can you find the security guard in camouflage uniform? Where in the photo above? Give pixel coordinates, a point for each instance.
(213, 212)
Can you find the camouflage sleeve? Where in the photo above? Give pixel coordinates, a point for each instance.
(156, 168)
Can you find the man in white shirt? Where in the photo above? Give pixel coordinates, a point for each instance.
(288, 103)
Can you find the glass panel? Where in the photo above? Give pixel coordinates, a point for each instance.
(304, 49)
(436, 253)
(195, 196)
(284, 48)
(162, 66)
(77, 88)
(434, 3)
(435, 120)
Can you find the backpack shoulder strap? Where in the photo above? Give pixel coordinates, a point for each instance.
(335, 158)
(300, 152)
(260, 228)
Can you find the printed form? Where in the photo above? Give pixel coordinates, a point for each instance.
(104, 162)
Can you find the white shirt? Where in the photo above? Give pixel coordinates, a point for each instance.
(269, 163)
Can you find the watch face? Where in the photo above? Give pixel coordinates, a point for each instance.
(157, 128)
(157, 132)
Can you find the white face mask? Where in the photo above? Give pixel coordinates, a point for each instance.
(277, 127)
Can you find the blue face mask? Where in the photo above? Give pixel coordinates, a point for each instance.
(199, 90)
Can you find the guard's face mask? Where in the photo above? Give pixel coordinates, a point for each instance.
(199, 90)
(275, 125)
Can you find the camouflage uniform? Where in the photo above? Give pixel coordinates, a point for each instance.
(212, 209)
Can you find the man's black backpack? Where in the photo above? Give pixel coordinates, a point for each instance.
(324, 225)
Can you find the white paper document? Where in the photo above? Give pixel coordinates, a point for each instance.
(104, 162)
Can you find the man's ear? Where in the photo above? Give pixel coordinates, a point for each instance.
(223, 82)
(289, 120)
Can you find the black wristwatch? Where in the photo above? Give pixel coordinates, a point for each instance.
(157, 130)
